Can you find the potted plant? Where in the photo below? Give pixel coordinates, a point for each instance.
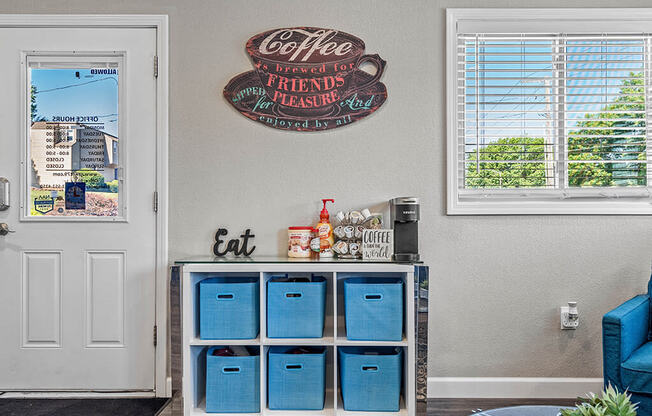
(609, 403)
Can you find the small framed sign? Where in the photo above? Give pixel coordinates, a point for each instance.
(377, 244)
(43, 204)
(75, 195)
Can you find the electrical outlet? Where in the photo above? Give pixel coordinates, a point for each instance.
(567, 323)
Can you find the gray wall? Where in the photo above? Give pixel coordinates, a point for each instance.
(496, 282)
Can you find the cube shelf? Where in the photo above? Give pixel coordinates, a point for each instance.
(334, 336)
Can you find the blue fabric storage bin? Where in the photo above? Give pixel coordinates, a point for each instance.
(229, 308)
(373, 308)
(371, 383)
(232, 383)
(296, 381)
(296, 309)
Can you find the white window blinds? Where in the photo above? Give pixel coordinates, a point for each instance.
(556, 115)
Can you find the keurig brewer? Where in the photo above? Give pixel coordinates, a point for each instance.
(404, 215)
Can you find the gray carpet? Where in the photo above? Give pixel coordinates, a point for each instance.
(81, 407)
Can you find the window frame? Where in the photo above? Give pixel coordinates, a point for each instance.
(530, 201)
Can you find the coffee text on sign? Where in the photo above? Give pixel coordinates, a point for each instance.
(318, 41)
(377, 244)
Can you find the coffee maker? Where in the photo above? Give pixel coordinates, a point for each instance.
(404, 216)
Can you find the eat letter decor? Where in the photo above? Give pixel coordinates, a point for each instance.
(307, 79)
(233, 245)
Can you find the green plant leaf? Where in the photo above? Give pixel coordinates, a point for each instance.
(609, 403)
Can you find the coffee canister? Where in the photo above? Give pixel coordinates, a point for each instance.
(299, 241)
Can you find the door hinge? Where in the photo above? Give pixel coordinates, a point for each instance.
(155, 201)
(155, 335)
(155, 66)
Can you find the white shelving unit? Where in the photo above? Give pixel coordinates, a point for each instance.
(334, 333)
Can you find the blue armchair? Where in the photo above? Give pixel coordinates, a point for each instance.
(627, 350)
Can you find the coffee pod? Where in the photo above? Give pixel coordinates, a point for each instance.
(354, 249)
(339, 216)
(366, 213)
(356, 217)
(374, 222)
(336, 248)
(341, 247)
(349, 230)
(358, 231)
(315, 244)
(339, 231)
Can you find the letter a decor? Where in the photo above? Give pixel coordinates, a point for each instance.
(307, 79)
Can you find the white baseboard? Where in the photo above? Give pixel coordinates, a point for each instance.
(512, 387)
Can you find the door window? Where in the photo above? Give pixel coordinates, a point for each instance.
(74, 146)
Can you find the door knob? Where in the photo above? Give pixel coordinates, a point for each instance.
(4, 229)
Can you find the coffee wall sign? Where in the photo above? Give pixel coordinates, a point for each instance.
(307, 79)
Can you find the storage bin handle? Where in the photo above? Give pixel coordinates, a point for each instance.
(373, 296)
(295, 295)
(225, 296)
(293, 367)
(369, 367)
(230, 370)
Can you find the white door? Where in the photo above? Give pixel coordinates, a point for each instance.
(78, 146)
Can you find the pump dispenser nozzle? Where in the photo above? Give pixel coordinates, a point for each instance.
(323, 215)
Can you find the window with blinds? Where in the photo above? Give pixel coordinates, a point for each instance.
(553, 115)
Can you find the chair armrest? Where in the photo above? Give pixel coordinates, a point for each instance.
(624, 330)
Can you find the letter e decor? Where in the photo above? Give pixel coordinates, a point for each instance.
(307, 79)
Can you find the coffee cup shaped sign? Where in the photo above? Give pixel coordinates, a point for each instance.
(307, 79)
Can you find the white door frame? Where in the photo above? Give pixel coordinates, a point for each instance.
(163, 380)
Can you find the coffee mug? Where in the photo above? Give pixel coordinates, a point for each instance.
(309, 69)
